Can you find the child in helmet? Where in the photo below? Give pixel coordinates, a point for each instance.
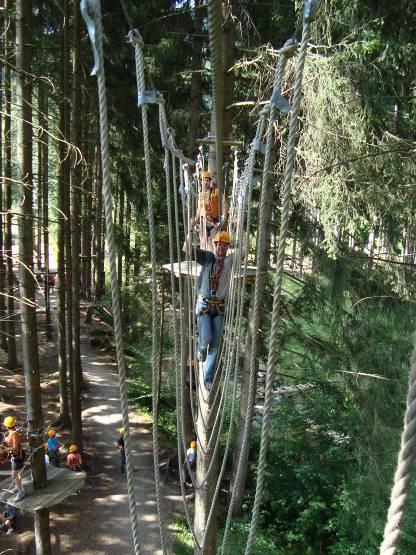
(73, 460)
(14, 449)
(53, 448)
(190, 460)
(122, 452)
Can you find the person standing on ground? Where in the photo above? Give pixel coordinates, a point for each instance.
(15, 452)
(122, 452)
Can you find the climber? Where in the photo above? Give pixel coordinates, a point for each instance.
(212, 289)
(209, 211)
(8, 519)
(122, 452)
(73, 460)
(53, 448)
(190, 460)
(16, 454)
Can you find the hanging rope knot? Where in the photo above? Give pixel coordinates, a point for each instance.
(135, 38)
(310, 10)
(289, 48)
(90, 9)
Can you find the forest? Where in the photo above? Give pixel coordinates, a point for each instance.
(207, 277)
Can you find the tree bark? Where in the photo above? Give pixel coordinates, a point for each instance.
(43, 121)
(99, 235)
(61, 297)
(76, 240)
(10, 279)
(3, 325)
(27, 283)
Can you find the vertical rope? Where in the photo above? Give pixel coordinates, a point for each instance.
(260, 247)
(272, 356)
(94, 10)
(402, 478)
(137, 41)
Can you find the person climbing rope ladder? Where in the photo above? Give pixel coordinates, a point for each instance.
(212, 289)
(209, 211)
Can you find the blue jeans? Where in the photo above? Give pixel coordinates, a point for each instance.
(210, 328)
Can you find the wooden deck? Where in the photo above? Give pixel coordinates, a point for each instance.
(192, 269)
(61, 483)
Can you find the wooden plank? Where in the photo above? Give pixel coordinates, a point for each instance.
(61, 483)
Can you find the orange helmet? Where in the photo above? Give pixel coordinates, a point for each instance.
(222, 236)
(206, 174)
(73, 448)
(51, 433)
(193, 445)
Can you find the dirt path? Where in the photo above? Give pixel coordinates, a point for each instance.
(98, 520)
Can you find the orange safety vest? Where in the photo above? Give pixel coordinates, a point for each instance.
(209, 207)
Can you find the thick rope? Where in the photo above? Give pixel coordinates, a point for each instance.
(93, 9)
(260, 268)
(137, 42)
(215, 43)
(284, 223)
(402, 477)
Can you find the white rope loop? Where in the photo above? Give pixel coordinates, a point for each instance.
(405, 463)
(94, 10)
(272, 356)
(137, 43)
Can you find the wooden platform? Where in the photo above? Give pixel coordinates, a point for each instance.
(193, 269)
(61, 484)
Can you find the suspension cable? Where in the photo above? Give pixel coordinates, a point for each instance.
(91, 12)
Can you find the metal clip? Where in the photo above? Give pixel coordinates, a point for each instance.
(259, 146)
(281, 103)
(310, 9)
(146, 97)
(89, 21)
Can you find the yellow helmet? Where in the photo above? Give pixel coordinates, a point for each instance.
(222, 236)
(204, 174)
(121, 431)
(193, 445)
(73, 448)
(9, 421)
(51, 433)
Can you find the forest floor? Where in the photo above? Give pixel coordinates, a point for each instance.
(96, 520)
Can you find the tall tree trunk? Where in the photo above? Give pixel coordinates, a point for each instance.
(120, 237)
(43, 120)
(99, 235)
(10, 280)
(253, 341)
(75, 232)
(196, 79)
(3, 326)
(61, 296)
(127, 257)
(27, 283)
(86, 230)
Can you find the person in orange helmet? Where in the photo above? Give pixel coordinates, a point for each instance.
(15, 453)
(208, 211)
(212, 290)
